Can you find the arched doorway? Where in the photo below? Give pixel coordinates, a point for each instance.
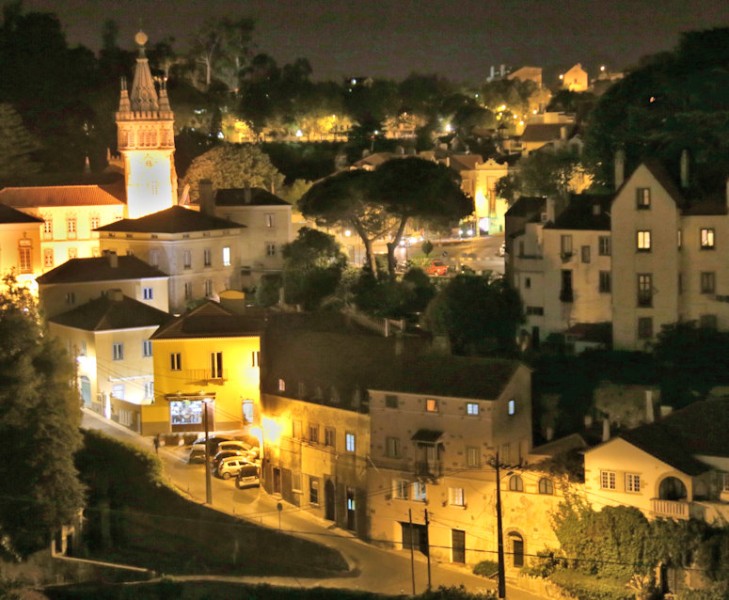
(516, 541)
(329, 500)
(672, 488)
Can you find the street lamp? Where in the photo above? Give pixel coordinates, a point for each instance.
(208, 474)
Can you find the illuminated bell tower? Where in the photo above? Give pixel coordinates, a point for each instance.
(146, 141)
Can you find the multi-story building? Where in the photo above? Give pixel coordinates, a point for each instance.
(267, 222)
(478, 180)
(206, 361)
(200, 253)
(109, 337)
(647, 256)
(79, 280)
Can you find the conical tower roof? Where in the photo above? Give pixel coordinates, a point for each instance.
(143, 95)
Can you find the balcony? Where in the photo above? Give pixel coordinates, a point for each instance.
(671, 509)
(205, 376)
(431, 469)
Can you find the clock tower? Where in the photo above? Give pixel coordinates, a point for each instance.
(146, 141)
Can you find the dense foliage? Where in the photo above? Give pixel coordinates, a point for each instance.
(39, 419)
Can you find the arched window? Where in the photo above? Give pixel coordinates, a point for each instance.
(516, 484)
(546, 486)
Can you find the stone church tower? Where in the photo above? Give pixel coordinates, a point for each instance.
(146, 141)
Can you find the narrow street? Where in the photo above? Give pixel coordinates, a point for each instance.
(372, 569)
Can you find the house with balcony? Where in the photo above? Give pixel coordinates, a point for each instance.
(206, 367)
(199, 253)
(437, 428)
(109, 338)
(80, 280)
(675, 468)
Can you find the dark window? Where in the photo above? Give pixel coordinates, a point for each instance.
(645, 289)
(708, 282)
(535, 310)
(585, 254)
(645, 328)
(516, 483)
(391, 401)
(566, 294)
(606, 282)
(546, 486)
(604, 245)
(643, 198)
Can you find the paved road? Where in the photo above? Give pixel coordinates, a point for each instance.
(372, 569)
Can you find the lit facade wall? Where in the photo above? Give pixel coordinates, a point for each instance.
(194, 374)
(480, 184)
(149, 179)
(20, 251)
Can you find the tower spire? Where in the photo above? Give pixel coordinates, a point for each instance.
(143, 96)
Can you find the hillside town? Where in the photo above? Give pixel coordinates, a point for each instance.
(492, 352)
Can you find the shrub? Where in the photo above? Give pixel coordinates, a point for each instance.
(486, 568)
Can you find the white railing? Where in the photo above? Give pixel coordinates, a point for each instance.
(674, 509)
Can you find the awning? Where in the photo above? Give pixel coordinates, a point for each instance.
(427, 436)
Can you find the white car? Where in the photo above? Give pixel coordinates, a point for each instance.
(230, 467)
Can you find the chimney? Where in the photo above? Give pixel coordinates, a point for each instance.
(605, 429)
(684, 169)
(596, 210)
(563, 133)
(206, 197)
(619, 168)
(113, 260)
(649, 414)
(550, 206)
(247, 194)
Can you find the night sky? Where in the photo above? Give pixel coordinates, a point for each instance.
(392, 38)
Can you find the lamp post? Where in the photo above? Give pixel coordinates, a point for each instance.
(208, 474)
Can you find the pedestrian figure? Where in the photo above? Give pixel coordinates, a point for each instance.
(156, 443)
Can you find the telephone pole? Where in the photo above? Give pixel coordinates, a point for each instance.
(500, 532)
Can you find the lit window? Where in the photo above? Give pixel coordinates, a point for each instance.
(149, 390)
(511, 407)
(643, 198)
(516, 483)
(147, 348)
(707, 238)
(632, 482)
(456, 497)
(431, 405)
(708, 282)
(118, 351)
(350, 442)
(392, 447)
(281, 385)
(643, 241)
(175, 361)
(473, 457)
(472, 408)
(147, 293)
(401, 489)
(226, 256)
(419, 491)
(607, 480)
(546, 486)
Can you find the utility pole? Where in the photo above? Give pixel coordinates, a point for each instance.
(500, 532)
(412, 552)
(427, 539)
(208, 475)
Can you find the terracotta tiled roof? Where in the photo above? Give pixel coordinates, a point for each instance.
(100, 268)
(175, 219)
(237, 197)
(211, 320)
(545, 132)
(64, 195)
(10, 215)
(527, 206)
(106, 313)
(465, 162)
(585, 212)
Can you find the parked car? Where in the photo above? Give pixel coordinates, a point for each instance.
(248, 476)
(229, 467)
(234, 445)
(197, 451)
(222, 454)
(437, 268)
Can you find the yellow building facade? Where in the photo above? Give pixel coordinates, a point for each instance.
(208, 356)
